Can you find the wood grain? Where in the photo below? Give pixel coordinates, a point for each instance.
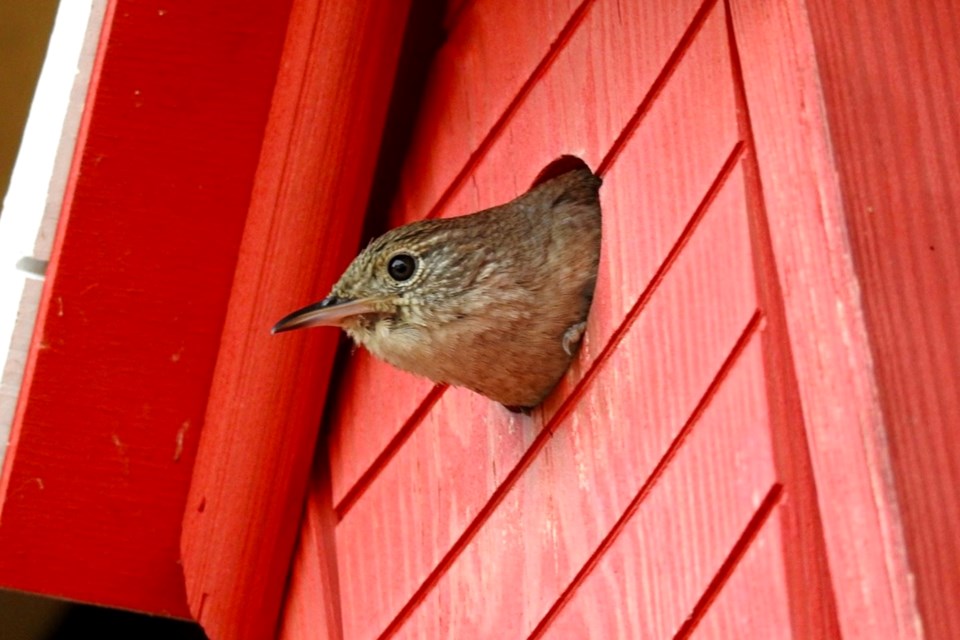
(652, 202)
(440, 152)
(312, 609)
(890, 78)
(810, 589)
(303, 226)
(105, 433)
(827, 333)
(597, 60)
(769, 363)
(366, 428)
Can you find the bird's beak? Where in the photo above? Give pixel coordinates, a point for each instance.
(329, 312)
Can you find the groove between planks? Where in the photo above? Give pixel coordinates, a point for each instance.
(669, 67)
(382, 460)
(729, 565)
(738, 348)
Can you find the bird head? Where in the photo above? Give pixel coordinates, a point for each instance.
(494, 301)
(410, 276)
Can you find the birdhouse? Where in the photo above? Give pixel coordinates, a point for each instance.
(756, 438)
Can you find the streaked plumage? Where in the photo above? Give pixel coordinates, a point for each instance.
(496, 301)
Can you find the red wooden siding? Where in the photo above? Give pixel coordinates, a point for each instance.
(95, 479)
(891, 80)
(306, 213)
(828, 344)
(646, 497)
(756, 438)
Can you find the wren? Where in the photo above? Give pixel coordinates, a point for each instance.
(495, 301)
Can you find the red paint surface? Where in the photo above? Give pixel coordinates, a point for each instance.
(309, 196)
(891, 79)
(104, 438)
(828, 342)
(766, 350)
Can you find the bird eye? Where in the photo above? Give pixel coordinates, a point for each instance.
(401, 267)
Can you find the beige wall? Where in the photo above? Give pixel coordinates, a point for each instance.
(24, 31)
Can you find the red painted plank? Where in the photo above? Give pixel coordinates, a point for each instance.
(309, 196)
(827, 333)
(468, 473)
(453, 12)
(891, 85)
(427, 505)
(365, 428)
(812, 609)
(485, 65)
(397, 532)
(599, 61)
(690, 129)
(683, 99)
(104, 437)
